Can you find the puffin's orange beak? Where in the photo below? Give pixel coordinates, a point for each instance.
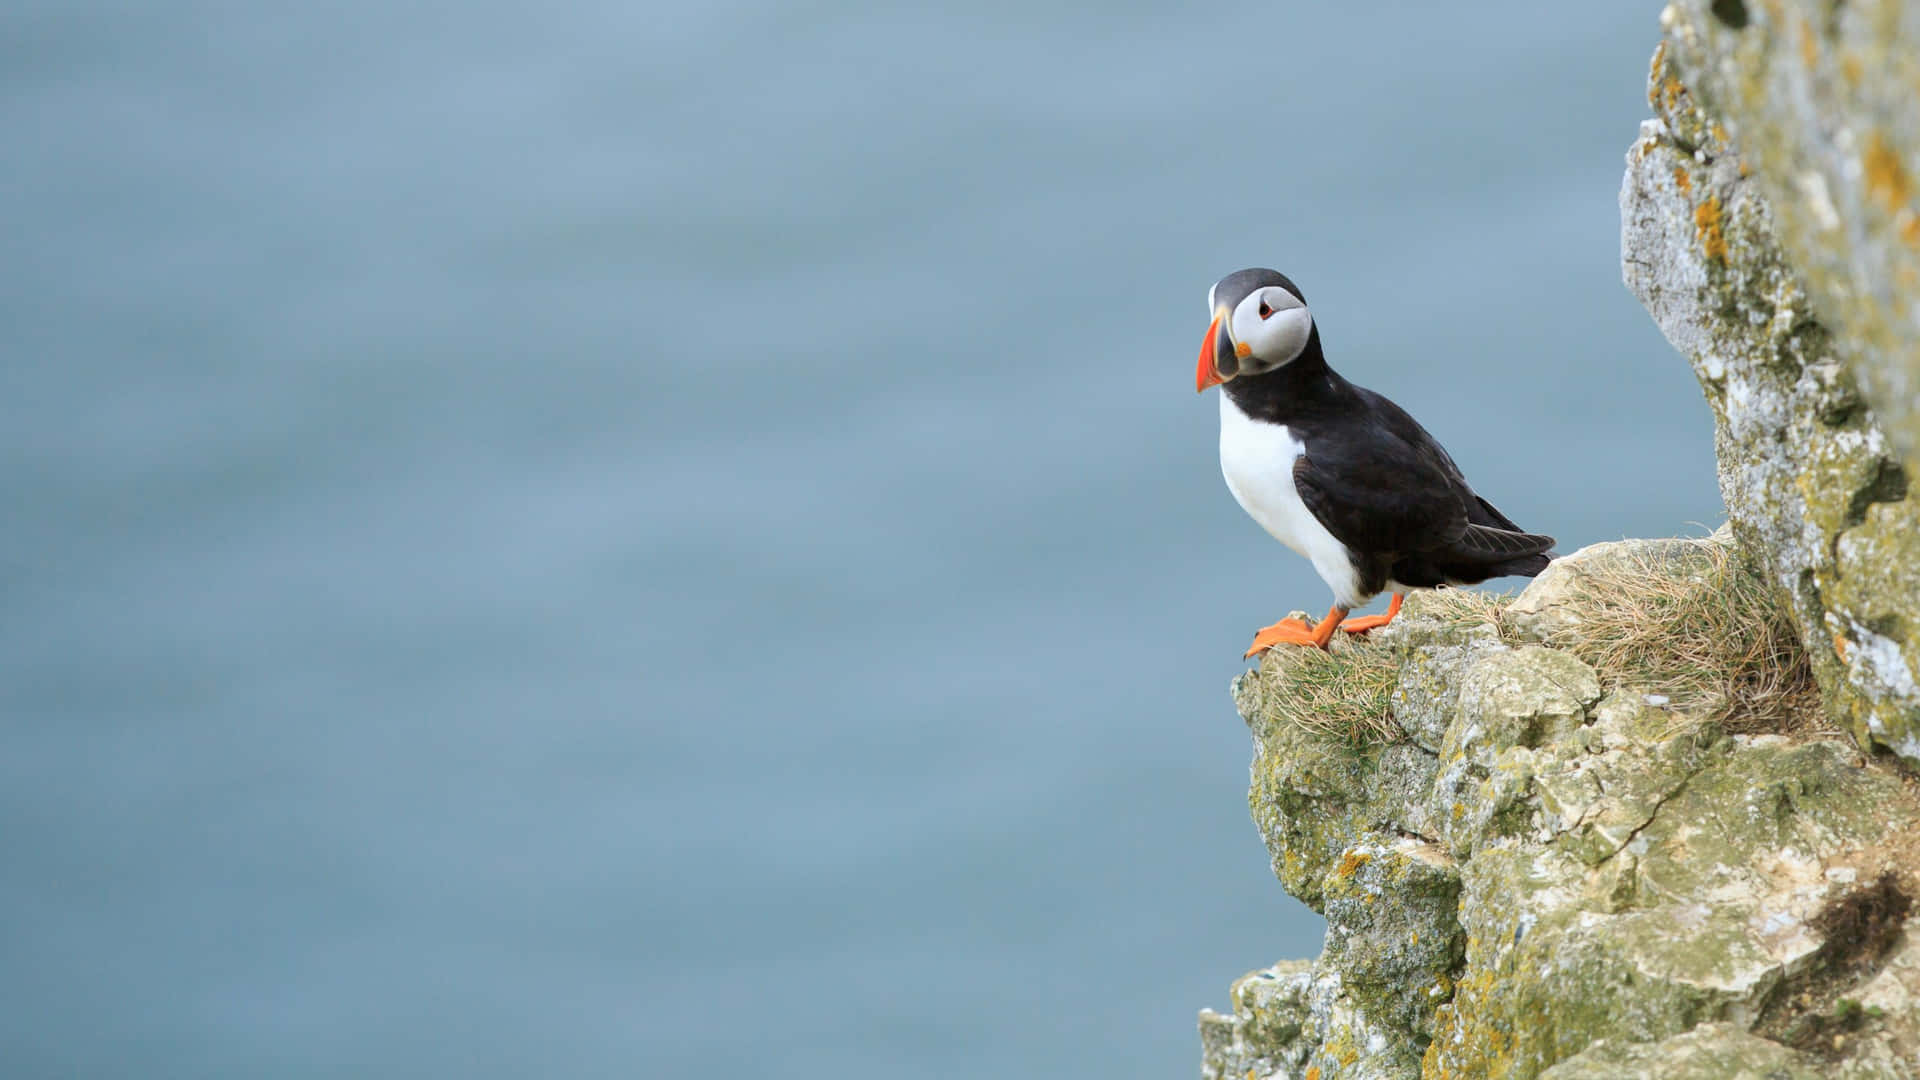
(1208, 374)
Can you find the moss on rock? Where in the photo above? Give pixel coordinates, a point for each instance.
(1392, 932)
(1816, 491)
(1611, 830)
(1819, 95)
(1717, 1051)
(1574, 868)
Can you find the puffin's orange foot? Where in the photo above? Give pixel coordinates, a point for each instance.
(1284, 632)
(1296, 632)
(1373, 622)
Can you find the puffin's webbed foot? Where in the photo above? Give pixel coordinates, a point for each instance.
(1285, 632)
(1296, 632)
(1373, 622)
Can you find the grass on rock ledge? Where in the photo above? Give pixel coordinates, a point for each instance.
(1346, 693)
(1704, 632)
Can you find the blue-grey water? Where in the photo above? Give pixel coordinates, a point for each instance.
(647, 540)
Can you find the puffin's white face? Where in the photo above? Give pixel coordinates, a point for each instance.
(1266, 328)
(1269, 329)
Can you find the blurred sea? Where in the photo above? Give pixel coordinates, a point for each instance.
(612, 540)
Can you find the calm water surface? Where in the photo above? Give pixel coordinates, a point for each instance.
(633, 540)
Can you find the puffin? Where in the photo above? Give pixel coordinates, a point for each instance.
(1339, 473)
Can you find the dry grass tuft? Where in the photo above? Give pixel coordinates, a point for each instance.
(1344, 694)
(1458, 607)
(1717, 641)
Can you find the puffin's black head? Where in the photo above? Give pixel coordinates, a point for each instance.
(1260, 322)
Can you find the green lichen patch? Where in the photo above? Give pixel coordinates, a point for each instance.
(1716, 1051)
(1596, 802)
(1707, 911)
(1549, 969)
(1262, 1036)
(1314, 798)
(1871, 587)
(1298, 1019)
(1520, 697)
(1392, 931)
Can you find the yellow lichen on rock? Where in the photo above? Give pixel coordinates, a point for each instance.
(1820, 97)
(1659, 817)
(1886, 179)
(1620, 867)
(1805, 461)
(1706, 225)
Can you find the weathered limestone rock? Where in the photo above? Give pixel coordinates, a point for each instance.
(1708, 1052)
(1327, 797)
(1816, 492)
(1895, 995)
(1550, 846)
(1295, 1019)
(1393, 936)
(1263, 1035)
(1575, 880)
(1819, 96)
(1705, 914)
(1510, 703)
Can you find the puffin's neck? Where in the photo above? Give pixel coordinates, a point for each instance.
(1299, 389)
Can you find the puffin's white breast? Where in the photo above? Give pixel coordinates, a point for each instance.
(1257, 460)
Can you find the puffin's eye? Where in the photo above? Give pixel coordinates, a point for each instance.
(1265, 311)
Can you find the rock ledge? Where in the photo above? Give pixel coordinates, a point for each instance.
(1574, 878)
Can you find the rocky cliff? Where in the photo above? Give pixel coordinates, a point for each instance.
(1807, 372)
(1657, 816)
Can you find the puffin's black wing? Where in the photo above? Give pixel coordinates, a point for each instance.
(1483, 512)
(1388, 499)
(1395, 489)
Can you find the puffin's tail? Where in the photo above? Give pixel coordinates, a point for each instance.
(1525, 566)
(1484, 552)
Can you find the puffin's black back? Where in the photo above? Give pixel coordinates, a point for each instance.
(1382, 484)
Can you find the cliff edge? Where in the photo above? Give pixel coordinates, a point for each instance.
(1657, 816)
(1593, 831)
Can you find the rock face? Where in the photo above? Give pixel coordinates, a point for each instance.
(1659, 816)
(1565, 880)
(1819, 97)
(1753, 230)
